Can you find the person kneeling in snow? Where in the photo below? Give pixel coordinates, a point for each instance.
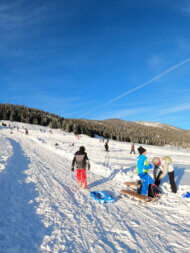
(142, 170)
(82, 161)
(162, 166)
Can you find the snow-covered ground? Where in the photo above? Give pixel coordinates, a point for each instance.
(156, 124)
(42, 210)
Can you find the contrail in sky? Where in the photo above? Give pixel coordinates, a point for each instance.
(140, 86)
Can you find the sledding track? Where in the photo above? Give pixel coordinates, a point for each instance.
(49, 214)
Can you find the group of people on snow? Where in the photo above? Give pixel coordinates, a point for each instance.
(162, 166)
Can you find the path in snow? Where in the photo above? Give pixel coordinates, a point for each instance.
(21, 229)
(42, 210)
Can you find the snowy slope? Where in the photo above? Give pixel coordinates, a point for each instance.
(156, 124)
(43, 211)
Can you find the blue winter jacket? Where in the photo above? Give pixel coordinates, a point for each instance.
(142, 164)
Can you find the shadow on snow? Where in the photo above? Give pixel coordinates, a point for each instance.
(111, 176)
(21, 228)
(179, 175)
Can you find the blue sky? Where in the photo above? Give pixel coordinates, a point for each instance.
(72, 57)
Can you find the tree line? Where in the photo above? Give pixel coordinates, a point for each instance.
(129, 132)
(29, 115)
(113, 129)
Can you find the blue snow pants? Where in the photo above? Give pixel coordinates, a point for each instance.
(146, 180)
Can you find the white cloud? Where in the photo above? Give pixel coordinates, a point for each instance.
(160, 113)
(120, 114)
(175, 109)
(157, 77)
(182, 6)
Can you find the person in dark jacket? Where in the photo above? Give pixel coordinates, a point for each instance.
(106, 146)
(82, 162)
(26, 131)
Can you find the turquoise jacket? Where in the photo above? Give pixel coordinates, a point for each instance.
(142, 164)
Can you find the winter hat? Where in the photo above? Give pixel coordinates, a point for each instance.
(156, 160)
(82, 149)
(141, 150)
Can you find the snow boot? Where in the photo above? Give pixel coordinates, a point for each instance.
(139, 186)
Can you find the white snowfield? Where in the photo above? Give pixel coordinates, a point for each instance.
(156, 124)
(42, 210)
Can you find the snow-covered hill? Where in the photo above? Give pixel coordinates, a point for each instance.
(156, 124)
(42, 210)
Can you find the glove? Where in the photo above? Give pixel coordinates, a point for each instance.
(72, 169)
(150, 166)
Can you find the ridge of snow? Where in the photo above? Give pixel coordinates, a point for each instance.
(156, 124)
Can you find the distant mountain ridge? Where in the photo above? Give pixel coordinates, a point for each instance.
(129, 131)
(152, 133)
(21, 113)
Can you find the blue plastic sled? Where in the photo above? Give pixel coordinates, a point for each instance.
(187, 195)
(102, 197)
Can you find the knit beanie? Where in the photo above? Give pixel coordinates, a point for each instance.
(141, 150)
(156, 160)
(82, 149)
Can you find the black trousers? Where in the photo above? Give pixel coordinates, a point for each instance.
(132, 151)
(172, 182)
(157, 180)
(171, 178)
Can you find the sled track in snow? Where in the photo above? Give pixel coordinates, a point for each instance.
(69, 220)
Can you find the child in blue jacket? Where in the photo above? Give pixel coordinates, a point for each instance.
(142, 170)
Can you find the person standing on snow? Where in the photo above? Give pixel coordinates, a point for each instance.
(106, 146)
(142, 170)
(162, 166)
(81, 160)
(132, 148)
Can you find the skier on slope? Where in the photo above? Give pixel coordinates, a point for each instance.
(142, 170)
(82, 161)
(162, 166)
